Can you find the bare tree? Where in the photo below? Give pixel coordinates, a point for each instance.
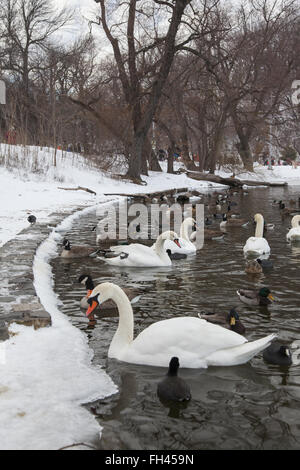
(144, 63)
(26, 27)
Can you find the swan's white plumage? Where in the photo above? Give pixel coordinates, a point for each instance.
(186, 245)
(189, 338)
(294, 232)
(257, 245)
(143, 256)
(196, 342)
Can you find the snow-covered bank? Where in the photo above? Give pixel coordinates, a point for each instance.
(33, 186)
(278, 173)
(48, 374)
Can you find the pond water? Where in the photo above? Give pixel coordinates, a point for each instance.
(251, 406)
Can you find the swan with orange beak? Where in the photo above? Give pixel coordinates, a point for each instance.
(138, 255)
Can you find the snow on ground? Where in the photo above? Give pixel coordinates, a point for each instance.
(278, 173)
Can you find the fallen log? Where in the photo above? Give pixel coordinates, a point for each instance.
(79, 188)
(152, 194)
(231, 181)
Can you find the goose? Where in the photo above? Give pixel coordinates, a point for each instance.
(278, 353)
(294, 232)
(253, 267)
(257, 245)
(209, 235)
(232, 214)
(138, 255)
(186, 246)
(31, 219)
(229, 320)
(218, 216)
(87, 281)
(197, 342)
(229, 222)
(77, 251)
(213, 234)
(173, 387)
(284, 211)
(252, 297)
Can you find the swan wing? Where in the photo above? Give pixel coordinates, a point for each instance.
(186, 246)
(257, 245)
(293, 234)
(191, 339)
(132, 248)
(239, 354)
(136, 255)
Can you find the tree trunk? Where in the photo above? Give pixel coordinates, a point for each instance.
(217, 139)
(153, 162)
(185, 156)
(136, 164)
(171, 151)
(245, 153)
(171, 148)
(151, 157)
(243, 146)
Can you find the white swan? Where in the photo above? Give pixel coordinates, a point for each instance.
(138, 255)
(294, 233)
(187, 247)
(257, 245)
(197, 342)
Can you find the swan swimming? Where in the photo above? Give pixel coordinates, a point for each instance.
(187, 247)
(294, 232)
(257, 245)
(138, 255)
(198, 343)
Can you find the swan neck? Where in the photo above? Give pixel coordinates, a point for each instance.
(296, 221)
(159, 248)
(259, 231)
(184, 231)
(124, 334)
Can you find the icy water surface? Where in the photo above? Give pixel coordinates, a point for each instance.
(252, 406)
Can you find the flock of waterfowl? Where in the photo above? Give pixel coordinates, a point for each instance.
(198, 342)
